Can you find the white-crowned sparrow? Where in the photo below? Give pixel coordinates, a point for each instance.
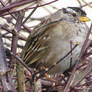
(50, 40)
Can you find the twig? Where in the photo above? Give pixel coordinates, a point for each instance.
(77, 61)
(52, 66)
(15, 35)
(24, 8)
(86, 4)
(38, 86)
(8, 45)
(15, 16)
(14, 5)
(7, 10)
(22, 62)
(86, 72)
(62, 58)
(71, 54)
(79, 3)
(19, 37)
(85, 45)
(19, 68)
(30, 15)
(4, 74)
(5, 28)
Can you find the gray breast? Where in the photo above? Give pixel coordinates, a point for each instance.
(59, 43)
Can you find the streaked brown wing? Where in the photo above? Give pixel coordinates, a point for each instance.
(36, 45)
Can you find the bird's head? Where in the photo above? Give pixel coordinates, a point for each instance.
(75, 14)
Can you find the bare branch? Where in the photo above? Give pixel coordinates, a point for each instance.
(4, 74)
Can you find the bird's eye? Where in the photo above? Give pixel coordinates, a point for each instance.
(74, 14)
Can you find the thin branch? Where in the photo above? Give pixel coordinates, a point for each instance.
(14, 5)
(15, 34)
(85, 72)
(19, 37)
(52, 66)
(19, 69)
(5, 28)
(30, 15)
(62, 58)
(15, 17)
(4, 74)
(79, 3)
(21, 62)
(25, 8)
(87, 3)
(77, 61)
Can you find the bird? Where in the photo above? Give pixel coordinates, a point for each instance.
(52, 38)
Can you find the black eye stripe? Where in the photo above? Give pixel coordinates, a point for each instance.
(79, 10)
